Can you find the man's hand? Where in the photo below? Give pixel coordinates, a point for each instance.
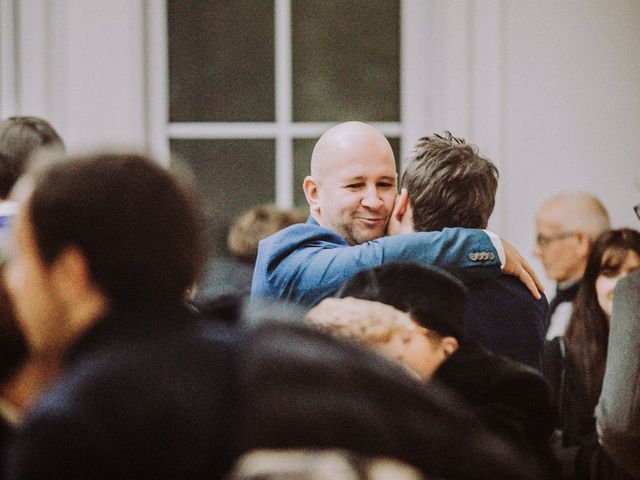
(518, 267)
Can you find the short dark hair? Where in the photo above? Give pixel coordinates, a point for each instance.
(19, 138)
(449, 184)
(137, 226)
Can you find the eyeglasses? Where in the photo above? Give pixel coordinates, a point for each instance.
(542, 240)
(637, 210)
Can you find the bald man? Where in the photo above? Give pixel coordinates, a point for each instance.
(567, 226)
(351, 194)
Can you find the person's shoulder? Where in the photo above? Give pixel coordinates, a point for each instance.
(508, 291)
(299, 235)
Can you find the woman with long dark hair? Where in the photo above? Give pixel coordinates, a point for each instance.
(575, 364)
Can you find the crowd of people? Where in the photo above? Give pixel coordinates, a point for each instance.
(389, 335)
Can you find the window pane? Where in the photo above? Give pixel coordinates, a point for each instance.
(221, 60)
(302, 149)
(346, 60)
(232, 176)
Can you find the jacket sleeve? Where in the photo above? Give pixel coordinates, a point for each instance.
(304, 267)
(618, 411)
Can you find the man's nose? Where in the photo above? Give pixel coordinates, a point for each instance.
(372, 199)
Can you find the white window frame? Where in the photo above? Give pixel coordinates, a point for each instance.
(283, 130)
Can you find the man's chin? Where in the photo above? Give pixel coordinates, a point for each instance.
(362, 236)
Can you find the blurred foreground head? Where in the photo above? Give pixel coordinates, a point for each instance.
(95, 233)
(258, 223)
(19, 138)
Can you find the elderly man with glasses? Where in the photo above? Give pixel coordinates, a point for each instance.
(566, 226)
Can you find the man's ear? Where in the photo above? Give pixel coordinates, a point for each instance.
(584, 244)
(449, 345)
(310, 188)
(71, 274)
(401, 220)
(401, 205)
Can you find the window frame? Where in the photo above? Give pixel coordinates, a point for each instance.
(413, 108)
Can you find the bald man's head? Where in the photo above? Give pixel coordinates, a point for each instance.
(352, 186)
(567, 225)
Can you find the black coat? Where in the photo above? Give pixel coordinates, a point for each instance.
(158, 394)
(512, 399)
(576, 443)
(503, 316)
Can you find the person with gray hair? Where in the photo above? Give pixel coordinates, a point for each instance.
(566, 226)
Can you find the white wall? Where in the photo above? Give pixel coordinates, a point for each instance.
(81, 65)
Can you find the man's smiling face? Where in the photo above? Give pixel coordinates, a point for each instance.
(353, 182)
(356, 198)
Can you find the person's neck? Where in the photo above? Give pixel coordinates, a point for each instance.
(563, 285)
(25, 385)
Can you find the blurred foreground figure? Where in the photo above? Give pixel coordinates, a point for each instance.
(148, 390)
(98, 282)
(20, 137)
(22, 375)
(618, 411)
(319, 465)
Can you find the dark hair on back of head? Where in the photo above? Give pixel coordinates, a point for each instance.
(449, 184)
(19, 138)
(138, 228)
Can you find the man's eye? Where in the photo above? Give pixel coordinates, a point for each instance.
(385, 185)
(354, 186)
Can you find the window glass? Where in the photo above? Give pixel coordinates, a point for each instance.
(346, 60)
(232, 176)
(221, 60)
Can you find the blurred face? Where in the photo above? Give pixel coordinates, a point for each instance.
(609, 276)
(562, 252)
(31, 286)
(356, 194)
(420, 353)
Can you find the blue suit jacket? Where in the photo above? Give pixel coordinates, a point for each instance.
(503, 316)
(305, 263)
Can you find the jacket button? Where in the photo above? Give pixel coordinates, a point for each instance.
(491, 256)
(473, 257)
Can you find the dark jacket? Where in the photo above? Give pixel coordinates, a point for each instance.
(146, 394)
(503, 316)
(576, 442)
(512, 399)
